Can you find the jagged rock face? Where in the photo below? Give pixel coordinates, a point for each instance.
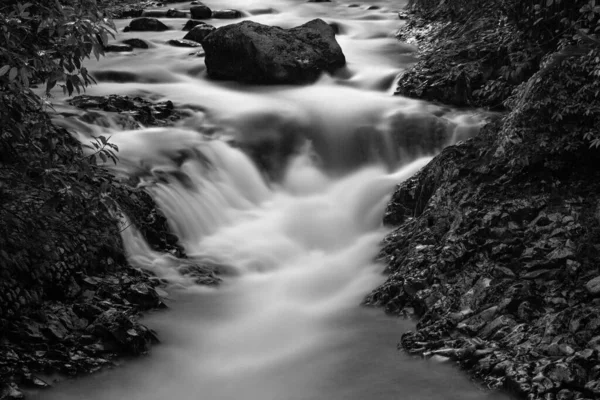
(495, 260)
(256, 53)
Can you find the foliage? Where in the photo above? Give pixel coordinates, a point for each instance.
(46, 41)
(538, 58)
(56, 202)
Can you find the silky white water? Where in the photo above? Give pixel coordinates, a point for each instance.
(297, 242)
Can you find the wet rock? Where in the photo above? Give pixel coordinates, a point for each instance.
(183, 43)
(226, 14)
(160, 13)
(262, 11)
(593, 286)
(120, 330)
(256, 53)
(87, 310)
(136, 43)
(10, 391)
(147, 24)
(415, 134)
(174, 13)
(56, 331)
(593, 387)
(129, 12)
(199, 53)
(200, 12)
(199, 33)
(143, 296)
(191, 24)
(117, 48)
(137, 108)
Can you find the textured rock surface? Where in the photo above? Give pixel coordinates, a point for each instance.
(199, 32)
(256, 53)
(498, 263)
(200, 12)
(146, 24)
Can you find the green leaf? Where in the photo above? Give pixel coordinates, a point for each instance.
(69, 87)
(4, 70)
(13, 73)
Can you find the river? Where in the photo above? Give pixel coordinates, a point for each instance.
(298, 241)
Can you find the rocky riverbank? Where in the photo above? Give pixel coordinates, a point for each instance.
(70, 303)
(495, 247)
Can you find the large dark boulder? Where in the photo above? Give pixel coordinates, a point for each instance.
(146, 24)
(200, 12)
(255, 53)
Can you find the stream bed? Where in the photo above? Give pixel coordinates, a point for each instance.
(298, 241)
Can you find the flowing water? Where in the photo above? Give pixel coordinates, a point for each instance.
(297, 233)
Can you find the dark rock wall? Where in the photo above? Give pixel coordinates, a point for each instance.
(497, 265)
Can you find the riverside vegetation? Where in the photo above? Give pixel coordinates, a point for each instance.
(68, 300)
(495, 241)
(495, 247)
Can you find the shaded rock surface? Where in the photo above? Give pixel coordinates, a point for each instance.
(496, 262)
(191, 24)
(136, 43)
(146, 24)
(256, 53)
(199, 32)
(226, 14)
(200, 12)
(98, 324)
(132, 109)
(183, 43)
(118, 48)
(72, 306)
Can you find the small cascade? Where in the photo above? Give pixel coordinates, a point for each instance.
(284, 187)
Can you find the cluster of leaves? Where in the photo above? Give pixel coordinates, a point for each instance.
(47, 41)
(558, 110)
(51, 191)
(490, 53)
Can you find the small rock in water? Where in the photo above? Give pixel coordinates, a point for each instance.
(593, 286)
(147, 24)
(174, 13)
(183, 43)
(200, 12)
(136, 43)
(226, 14)
(191, 24)
(199, 53)
(262, 11)
(118, 48)
(199, 33)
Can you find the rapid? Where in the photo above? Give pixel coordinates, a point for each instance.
(296, 236)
